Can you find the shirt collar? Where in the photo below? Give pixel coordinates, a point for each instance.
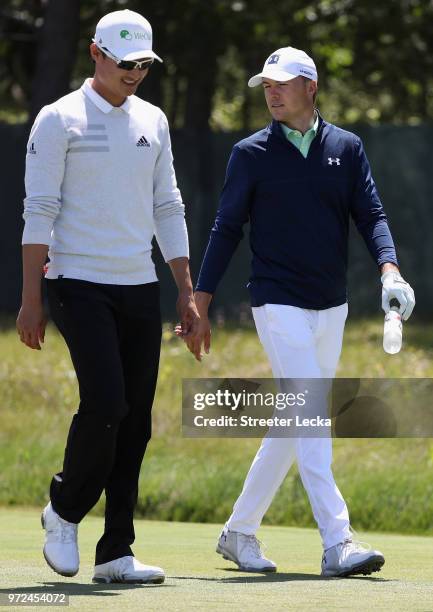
(313, 129)
(101, 102)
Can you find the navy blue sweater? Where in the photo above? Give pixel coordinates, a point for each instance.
(298, 209)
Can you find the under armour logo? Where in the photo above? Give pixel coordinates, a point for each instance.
(274, 59)
(334, 160)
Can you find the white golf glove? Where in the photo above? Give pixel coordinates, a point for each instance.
(395, 287)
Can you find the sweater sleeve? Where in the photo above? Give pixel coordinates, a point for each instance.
(45, 167)
(233, 213)
(367, 211)
(168, 208)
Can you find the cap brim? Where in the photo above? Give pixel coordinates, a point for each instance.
(275, 75)
(136, 55)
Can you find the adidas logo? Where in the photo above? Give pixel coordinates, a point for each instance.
(142, 142)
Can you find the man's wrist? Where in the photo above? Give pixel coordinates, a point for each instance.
(186, 291)
(202, 300)
(389, 267)
(180, 269)
(31, 299)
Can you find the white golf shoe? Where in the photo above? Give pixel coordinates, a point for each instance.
(244, 550)
(349, 558)
(61, 548)
(128, 570)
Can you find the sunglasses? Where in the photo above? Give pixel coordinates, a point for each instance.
(143, 64)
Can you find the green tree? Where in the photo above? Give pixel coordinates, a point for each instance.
(374, 59)
(57, 47)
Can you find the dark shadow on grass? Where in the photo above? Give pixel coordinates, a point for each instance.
(258, 578)
(82, 588)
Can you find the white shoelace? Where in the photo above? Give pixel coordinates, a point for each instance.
(357, 545)
(253, 544)
(350, 546)
(353, 546)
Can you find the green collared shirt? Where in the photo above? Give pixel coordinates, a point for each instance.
(301, 142)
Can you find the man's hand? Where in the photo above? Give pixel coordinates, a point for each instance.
(395, 287)
(202, 333)
(189, 317)
(31, 323)
(202, 336)
(198, 333)
(185, 305)
(192, 309)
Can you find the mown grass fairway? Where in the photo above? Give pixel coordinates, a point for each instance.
(388, 484)
(199, 579)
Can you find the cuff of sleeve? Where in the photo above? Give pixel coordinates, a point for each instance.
(387, 258)
(172, 237)
(174, 254)
(36, 236)
(205, 288)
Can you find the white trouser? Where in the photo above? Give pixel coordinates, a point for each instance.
(299, 343)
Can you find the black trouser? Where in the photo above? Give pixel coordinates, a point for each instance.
(113, 334)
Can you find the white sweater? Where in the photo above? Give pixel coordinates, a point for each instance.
(99, 184)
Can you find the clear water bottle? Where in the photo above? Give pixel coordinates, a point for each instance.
(392, 331)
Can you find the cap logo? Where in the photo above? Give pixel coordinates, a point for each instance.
(142, 36)
(126, 35)
(303, 71)
(274, 59)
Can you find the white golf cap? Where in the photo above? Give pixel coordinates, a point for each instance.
(285, 64)
(126, 34)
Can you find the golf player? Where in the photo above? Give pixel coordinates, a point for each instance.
(297, 182)
(99, 184)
